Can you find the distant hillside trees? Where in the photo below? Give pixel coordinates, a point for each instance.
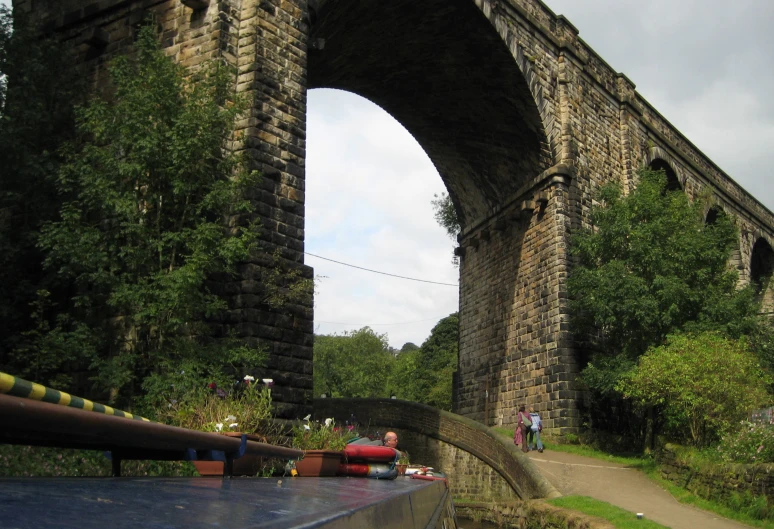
(360, 364)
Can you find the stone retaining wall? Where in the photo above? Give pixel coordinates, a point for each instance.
(529, 515)
(718, 482)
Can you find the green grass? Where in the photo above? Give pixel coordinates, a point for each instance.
(640, 462)
(685, 496)
(618, 517)
(651, 469)
(634, 461)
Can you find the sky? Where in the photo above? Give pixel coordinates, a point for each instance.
(706, 65)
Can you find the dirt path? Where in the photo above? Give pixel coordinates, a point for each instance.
(624, 487)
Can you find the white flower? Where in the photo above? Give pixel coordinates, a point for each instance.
(219, 427)
(233, 425)
(230, 418)
(328, 422)
(249, 378)
(268, 381)
(306, 427)
(308, 417)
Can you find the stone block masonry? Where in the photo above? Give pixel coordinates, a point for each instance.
(523, 121)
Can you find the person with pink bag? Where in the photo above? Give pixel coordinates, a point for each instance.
(523, 423)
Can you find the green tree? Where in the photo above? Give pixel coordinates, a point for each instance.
(436, 363)
(404, 374)
(651, 266)
(648, 268)
(142, 232)
(38, 88)
(352, 364)
(445, 215)
(704, 384)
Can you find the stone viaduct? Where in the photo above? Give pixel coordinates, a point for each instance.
(521, 118)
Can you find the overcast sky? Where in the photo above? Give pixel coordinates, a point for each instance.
(706, 65)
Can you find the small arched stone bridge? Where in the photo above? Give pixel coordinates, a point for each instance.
(482, 465)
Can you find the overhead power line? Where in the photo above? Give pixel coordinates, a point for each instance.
(383, 273)
(381, 324)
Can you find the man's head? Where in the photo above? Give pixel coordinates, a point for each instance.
(391, 439)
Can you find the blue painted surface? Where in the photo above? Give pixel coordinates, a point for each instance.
(194, 503)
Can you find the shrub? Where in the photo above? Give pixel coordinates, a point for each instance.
(314, 435)
(748, 443)
(244, 407)
(700, 383)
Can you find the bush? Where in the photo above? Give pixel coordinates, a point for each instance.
(701, 384)
(243, 407)
(748, 443)
(28, 461)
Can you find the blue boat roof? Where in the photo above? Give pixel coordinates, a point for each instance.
(199, 503)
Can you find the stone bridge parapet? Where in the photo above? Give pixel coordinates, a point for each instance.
(482, 465)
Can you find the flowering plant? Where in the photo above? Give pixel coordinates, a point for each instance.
(314, 435)
(749, 442)
(244, 407)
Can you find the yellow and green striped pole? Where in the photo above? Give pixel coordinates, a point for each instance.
(18, 387)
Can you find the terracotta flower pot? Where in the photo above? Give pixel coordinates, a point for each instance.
(401, 469)
(318, 463)
(247, 465)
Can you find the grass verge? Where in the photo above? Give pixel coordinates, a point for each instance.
(650, 468)
(618, 517)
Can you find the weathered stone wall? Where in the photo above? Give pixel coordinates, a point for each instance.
(481, 464)
(720, 481)
(515, 341)
(528, 515)
(523, 121)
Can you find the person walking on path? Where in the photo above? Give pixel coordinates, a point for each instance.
(520, 433)
(533, 436)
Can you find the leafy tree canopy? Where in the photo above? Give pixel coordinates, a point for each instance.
(144, 192)
(705, 384)
(650, 267)
(360, 364)
(38, 88)
(353, 364)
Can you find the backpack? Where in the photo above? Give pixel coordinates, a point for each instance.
(526, 420)
(535, 422)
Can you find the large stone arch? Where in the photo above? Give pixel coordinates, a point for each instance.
(484, 125)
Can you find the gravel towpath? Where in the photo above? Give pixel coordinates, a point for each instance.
(624, 487)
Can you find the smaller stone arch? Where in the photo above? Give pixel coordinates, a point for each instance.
(761, 271)
(713, 214)
(659, 159)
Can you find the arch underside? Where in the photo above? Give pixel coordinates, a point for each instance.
(761, 272)
(440, 68)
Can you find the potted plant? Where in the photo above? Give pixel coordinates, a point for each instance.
(404, 461)
(245, 407)
(323, 444)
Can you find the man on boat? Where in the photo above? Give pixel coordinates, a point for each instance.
(391, 440)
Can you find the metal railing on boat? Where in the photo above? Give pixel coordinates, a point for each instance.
(29, 421)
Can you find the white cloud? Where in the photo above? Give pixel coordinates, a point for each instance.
(369, 187)
(704, 64)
